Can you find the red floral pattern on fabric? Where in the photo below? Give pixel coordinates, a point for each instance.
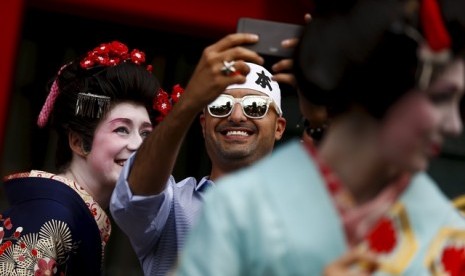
(36, 254)
(453, 260)
(7, 224)
(101, 219)
(45, 267)
(382, 239)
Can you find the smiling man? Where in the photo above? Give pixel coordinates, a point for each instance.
(241, 119)
(242, 124)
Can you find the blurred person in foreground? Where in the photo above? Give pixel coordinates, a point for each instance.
(393, 74)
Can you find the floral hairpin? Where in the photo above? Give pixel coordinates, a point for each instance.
(106, 54)
(163, 103)
(111, 54)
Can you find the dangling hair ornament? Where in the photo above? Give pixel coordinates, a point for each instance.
(107, 54)
(50, 101)
(436, 49)
(163, 103)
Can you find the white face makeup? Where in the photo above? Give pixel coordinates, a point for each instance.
(117, 136)
(416, 126)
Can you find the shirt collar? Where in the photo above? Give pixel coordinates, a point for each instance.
(204, 184)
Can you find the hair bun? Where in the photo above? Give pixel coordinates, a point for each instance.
(340, 52)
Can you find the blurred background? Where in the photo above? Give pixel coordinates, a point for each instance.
(38, 36)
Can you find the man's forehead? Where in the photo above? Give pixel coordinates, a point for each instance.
(241, 92)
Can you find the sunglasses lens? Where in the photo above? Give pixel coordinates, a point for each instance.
(255, 107)
(221, 107)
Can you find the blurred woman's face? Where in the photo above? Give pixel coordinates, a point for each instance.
(415, 127)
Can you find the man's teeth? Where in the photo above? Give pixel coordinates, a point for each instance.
(121, 163)
(237, 133)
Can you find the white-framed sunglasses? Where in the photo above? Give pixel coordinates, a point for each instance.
(253, 106)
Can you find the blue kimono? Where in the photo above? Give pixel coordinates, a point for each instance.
(278, 218)
(52, 226)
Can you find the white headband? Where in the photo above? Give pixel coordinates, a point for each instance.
(259, 79)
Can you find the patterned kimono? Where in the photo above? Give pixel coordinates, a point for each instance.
(278, 217)
(52, 227)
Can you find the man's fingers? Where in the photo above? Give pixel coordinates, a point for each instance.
(307, 17)
(232, 40)
(290, 43)
(283, 65)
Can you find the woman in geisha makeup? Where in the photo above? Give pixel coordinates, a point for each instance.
(102, 106)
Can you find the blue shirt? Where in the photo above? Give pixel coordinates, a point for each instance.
(157, 225)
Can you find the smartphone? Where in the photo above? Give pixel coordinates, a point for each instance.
(271, 35)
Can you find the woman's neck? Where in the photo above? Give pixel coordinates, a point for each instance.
(350, 149)
(78, 173)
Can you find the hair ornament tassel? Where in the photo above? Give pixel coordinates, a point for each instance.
(50, 101)
(91, 105)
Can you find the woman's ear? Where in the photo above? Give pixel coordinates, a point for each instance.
(77, 144)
